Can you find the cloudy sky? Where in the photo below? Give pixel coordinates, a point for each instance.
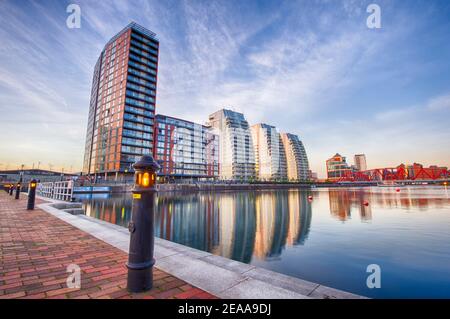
(309, 67)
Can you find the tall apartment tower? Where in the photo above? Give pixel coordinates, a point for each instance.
(237, 159)
(296, 158)
(122, 108)
(360, 162)
(270, 156)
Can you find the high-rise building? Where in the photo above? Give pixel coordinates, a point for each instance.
(122, 107)
(296, 158)
(185, 149)
(270, 156)
(360, 162)
(237, 159)
(337, 167)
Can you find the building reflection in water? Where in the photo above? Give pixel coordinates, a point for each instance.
(343, 200)
(243, 225)
(236, 225)
(340, 202)
(116, 210)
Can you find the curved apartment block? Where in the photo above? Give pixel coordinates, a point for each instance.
(296, 158)
(270, 156)
(237, 158)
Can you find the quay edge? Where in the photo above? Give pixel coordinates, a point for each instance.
(222, 277)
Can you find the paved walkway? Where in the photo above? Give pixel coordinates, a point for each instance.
(36, 248)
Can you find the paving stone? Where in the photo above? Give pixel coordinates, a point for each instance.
(324, 292)
(255, 289)
(36, 249)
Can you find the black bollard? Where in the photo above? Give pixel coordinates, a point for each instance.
(140, 258)
(18, 190)
(31, 194)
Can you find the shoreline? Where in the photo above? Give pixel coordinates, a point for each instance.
(220, 276)
(163, 188)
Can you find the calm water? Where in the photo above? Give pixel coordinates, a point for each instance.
(330, 240)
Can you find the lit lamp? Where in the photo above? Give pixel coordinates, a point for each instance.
(140, 258)
(31, 194)
(18, 190)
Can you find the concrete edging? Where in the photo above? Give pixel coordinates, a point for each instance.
(222, 277)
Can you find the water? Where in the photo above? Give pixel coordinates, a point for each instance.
(330, 240)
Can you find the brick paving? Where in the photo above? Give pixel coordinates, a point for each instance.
(36, 248)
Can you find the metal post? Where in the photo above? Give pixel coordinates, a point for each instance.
(140, 258)
(18, 190)
(18, 186)
(31, 194)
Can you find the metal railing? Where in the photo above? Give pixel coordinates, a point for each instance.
(56, 190)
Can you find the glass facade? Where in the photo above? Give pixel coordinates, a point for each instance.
(270, 157)
(122, 108)
(296, 158)
(237, 158)
(337, 167)
(185, 149)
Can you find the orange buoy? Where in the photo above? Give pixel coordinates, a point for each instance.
(398, 190)
(366, 203)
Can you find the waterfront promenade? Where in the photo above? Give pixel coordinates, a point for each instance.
(36, 248)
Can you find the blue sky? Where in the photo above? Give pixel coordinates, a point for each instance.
(308, 67)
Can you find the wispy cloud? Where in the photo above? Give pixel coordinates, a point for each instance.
(308, 67)
(440, 103)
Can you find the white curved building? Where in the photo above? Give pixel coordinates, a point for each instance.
(296, 158)
(270, 157)
(237, 158)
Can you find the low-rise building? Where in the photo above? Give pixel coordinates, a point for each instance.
(185, 149)
(337, 167)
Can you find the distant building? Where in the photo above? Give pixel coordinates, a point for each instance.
(313, 176)
(38, 174)
(419, 172)
(185, 149)
(296, 158)
(360, 162)
(122, 106)
(237, 159)
(337, 167)
(270, 156)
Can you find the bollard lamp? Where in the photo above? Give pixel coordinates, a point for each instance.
(31, 194)
(140, 258)
(18, 186)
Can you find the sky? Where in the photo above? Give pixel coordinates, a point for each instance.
(311, 68)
